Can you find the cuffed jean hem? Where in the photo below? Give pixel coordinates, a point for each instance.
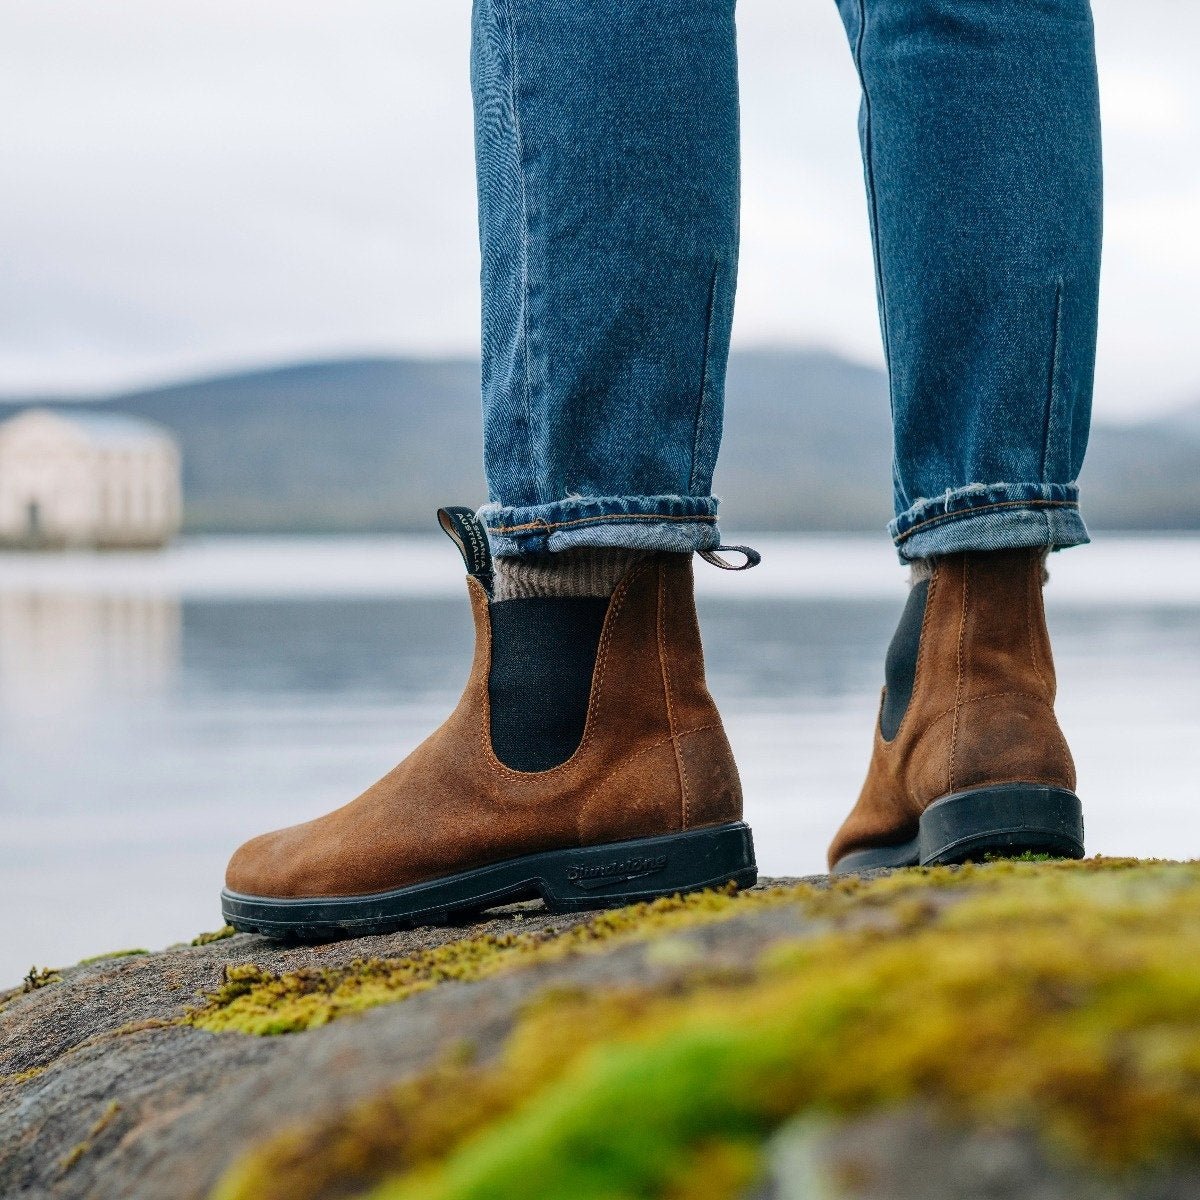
(992, 516)
(677, 523)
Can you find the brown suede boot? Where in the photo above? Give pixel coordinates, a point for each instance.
(647, 804)
(969, 759)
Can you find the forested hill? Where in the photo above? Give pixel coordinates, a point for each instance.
(376, 444)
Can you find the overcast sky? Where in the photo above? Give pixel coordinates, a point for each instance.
(194, 185)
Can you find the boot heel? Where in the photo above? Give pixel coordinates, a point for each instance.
(1006, 821)
(643, 869)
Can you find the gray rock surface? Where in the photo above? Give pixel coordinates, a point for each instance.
(907, 1155)
(103, 1096)
(177, 1105)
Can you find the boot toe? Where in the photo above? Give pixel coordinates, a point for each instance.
(262, 867)
(311, 860)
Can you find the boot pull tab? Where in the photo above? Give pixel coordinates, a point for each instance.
(465, 529)
(752, 556)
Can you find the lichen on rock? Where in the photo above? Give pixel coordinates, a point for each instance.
(1042, 1014)
(215, 935)
(40, 977)
(110, 955)
(98, 1127)
(1059, 998)
(257, 1001)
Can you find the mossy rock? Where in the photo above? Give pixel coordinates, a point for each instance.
(1046, 1015)
(111, 954)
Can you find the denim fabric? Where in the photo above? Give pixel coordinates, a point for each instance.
(980, 127)
(676, 523)
(607, 151)
(607, 146)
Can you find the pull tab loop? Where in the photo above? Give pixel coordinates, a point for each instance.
(466, 531)
(752, 556)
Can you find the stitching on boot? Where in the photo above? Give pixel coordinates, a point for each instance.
(666, 678)
(1003, 782)
(962, 630)
(1034, 582)
(921, 648)
(1066, 762)
(906, 787)
(634, 757)
(615, 605)
(573, 763)
(946, 712)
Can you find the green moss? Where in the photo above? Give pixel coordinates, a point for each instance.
(217, 935)
(256, 1001)
(40, 978)
(95, 958)
(1060, 997)
(76, 1152)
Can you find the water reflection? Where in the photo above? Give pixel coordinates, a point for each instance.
(142, 737)
(62, 655)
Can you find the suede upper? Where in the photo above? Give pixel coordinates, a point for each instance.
(653, 759)
(982, 706)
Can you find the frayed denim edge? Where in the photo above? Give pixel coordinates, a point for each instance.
(997, 516)
(679, 524)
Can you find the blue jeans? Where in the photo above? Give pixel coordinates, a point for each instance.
(607, 149)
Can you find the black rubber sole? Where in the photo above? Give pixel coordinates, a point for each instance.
(589, 877)
(1003, 822)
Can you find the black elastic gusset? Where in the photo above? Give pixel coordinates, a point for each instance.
(543, 654)
(901, 670)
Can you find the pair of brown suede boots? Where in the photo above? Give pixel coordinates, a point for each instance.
(968, 761)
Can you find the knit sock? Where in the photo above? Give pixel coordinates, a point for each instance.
(586, 571)
(547, 617)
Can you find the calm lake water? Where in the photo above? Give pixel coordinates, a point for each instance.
(157, 710)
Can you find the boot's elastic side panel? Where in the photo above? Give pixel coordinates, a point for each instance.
(540, 681)
(901, 669)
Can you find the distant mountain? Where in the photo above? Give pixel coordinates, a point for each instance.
(1183, 425)
(377, 444)
(1145, 476)
(364, 444)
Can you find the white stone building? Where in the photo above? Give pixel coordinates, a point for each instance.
(69, 477)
